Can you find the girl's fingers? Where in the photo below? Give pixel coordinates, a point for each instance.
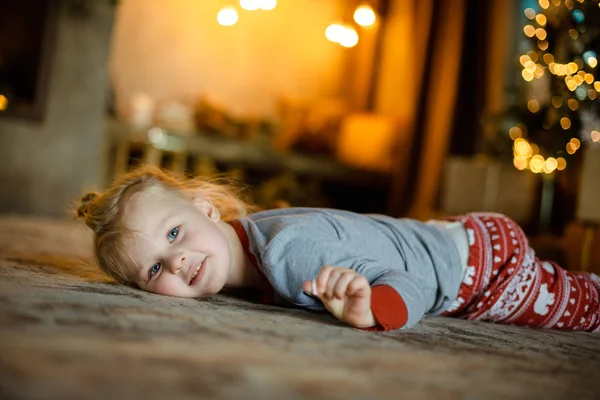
(358, 287)
(340, 288)
(323, 278)
(332, 281)
(307, 286)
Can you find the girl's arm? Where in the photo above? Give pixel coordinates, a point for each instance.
(350, 298)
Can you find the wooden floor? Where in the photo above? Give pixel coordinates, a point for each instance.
(68, 333)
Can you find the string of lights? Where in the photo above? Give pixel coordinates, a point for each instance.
(560, 69)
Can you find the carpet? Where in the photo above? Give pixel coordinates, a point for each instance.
(68, 332)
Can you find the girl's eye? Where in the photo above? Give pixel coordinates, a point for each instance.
(154, 269)
(173, 234)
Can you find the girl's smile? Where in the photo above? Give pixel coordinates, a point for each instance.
(179, 245)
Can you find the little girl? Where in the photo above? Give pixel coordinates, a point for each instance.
(191, 238)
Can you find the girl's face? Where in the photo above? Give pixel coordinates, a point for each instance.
(178, 244)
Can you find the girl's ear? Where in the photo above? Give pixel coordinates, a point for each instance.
(204, 204)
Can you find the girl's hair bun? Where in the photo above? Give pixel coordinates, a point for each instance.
(84, 203)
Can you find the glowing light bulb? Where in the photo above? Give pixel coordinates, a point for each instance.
(522, 148)
(227, 16)
(565, 123)
(342, 34)
(250, 5)
(520, 162)
(527, 75)
(268, 4)
(541, 19)
(515, 133)
(533, 106)
(530, 13)
(335, 32)
(550, 165)
(529, 30)
(365, 16)
(350, 37)
(576, 143)
(536, 164)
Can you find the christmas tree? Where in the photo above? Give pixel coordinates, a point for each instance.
(559, 109)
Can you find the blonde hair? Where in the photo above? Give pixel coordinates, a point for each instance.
(103, 212)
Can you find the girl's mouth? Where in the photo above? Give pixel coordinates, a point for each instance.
(198, 273)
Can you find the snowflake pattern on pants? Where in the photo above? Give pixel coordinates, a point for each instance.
(505, 282)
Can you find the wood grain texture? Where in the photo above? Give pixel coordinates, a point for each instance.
(67, 332)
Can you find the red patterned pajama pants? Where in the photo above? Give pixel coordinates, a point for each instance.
(505, 282)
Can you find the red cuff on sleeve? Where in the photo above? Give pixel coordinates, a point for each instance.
(388, 308)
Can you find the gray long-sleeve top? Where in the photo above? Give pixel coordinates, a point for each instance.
(414, 268)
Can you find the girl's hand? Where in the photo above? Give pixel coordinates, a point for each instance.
(345, 294)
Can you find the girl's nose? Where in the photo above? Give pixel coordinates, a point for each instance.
(176, 262)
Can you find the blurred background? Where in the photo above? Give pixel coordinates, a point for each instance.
(410, 108)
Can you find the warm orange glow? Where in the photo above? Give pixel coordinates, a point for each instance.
(597, 86)
(541, 19)
(557, 101)
(540, 33)
(530, 66)
(565, 123)
(544, 4)
(533, 55)
(528, 76)
(342, 34)
(561, 163)
(570, 148)
(576, 143)
(548, 58)
(589, 79)
(3, 102)
(592, 62)
(515, 133)
(536, 164)
(572, 67)
(539, 71)
(573, 104)
(592, 94)
(365, 16)
(252, 5)
(334, 32)
(522, 148)
(523, 59)
(367, 150)
(529, 30)
(350, 37)
(573, 33)
(543, 44)
(520, 162)
(268, 4)
(550, 165)
(533, 106)
(227, 16)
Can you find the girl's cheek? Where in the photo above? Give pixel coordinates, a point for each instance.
(166, 287)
